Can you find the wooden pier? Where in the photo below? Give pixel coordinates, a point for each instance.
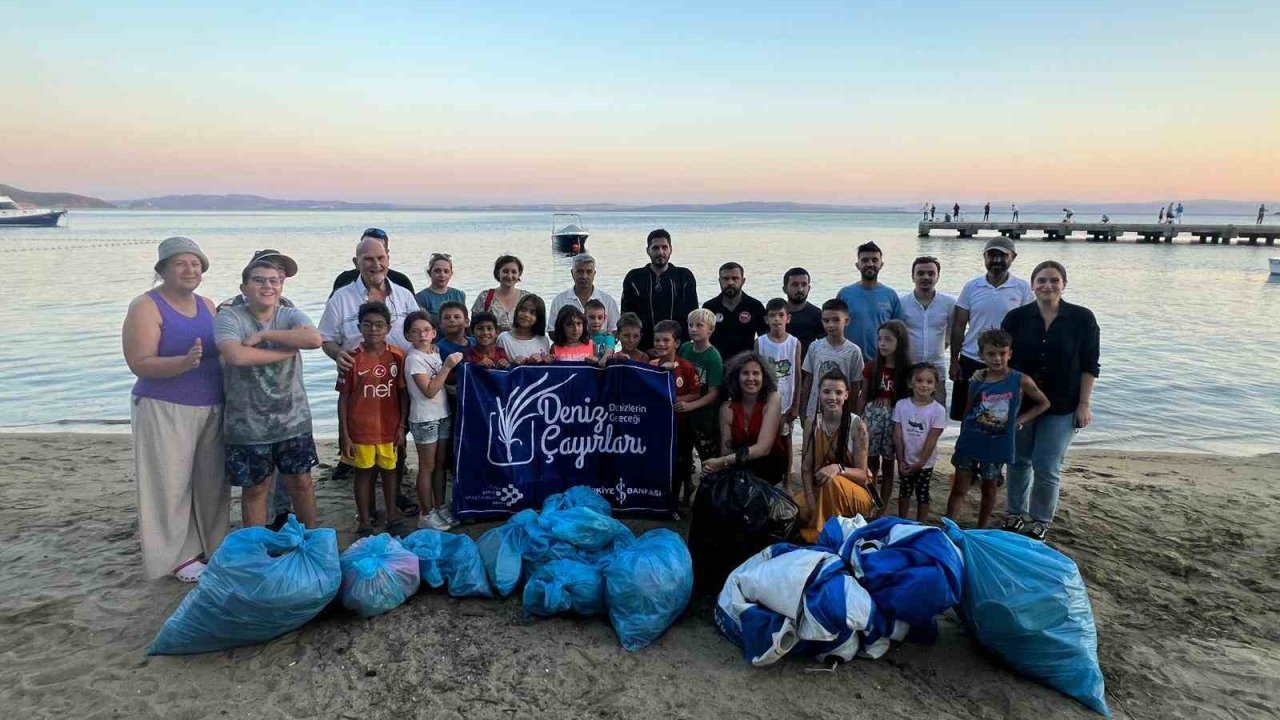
(1111, 232)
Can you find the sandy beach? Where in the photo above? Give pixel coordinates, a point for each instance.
(1180, 553)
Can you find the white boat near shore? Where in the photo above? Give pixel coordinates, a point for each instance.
(11, 213)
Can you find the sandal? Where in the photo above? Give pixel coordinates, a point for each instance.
(190, 571)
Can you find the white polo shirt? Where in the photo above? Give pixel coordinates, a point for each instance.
(339, 323)
(987, 306)
(928, 327)
(568, 297)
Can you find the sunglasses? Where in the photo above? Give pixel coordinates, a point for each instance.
(378, 233)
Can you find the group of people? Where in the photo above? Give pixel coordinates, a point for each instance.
(1172, 215)
(219, 399)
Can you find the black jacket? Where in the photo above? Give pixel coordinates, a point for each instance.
(669, 296)
(1055, 358)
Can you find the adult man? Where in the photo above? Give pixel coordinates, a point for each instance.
(584, 290)
(396, 277)
(1015, 212)
(986, 212)
(928, 315)
(266, 417)
(659, 291)
(870, 303)
(955, 212)
(806, 318)
(1262, 211)
(933, 211)
(982, 304)
(739, 317)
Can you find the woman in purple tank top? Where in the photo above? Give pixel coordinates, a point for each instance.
(176, 414)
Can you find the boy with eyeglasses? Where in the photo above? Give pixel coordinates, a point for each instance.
(373, 414)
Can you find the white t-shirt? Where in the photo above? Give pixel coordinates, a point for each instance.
(916, 421)
(823, 358)
(928, 327)
(782, 356)
(422, 408)
(515, 348)
(987, 306)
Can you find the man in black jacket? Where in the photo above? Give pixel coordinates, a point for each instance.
(659, 291)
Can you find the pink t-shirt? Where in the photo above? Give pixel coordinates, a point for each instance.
(916, 421)
(585, 351)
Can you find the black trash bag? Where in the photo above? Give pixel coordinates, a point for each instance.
(735, 516)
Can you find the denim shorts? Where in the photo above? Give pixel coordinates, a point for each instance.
(248, 465)
(425, 433)
(981, 469)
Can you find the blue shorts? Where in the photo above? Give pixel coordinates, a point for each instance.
(425, 433)
(248, 465)
(980, 469)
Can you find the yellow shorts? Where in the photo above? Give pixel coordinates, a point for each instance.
(383, 454)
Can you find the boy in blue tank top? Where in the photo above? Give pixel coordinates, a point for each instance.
(1000, 402)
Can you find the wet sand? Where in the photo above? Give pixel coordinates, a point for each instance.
(1180, 553)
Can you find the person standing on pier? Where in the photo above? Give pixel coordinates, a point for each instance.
(982, 305)
(1178, 212)
(955, 211)
(1262, 211)
(1160, 219)
(1015, 212)
(933, 212)
(1168, 214)
(871, 303)
(924, 212)
(986, 212)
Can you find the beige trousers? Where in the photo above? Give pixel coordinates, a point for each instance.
(183, 498)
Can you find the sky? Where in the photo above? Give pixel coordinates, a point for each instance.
(840, 102)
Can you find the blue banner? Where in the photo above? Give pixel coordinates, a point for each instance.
(535, 430)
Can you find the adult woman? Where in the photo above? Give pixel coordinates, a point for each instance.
(1055, 343)
(749, 421)
(183, 500)
(503, 300)
(439, 273)
(834, 477)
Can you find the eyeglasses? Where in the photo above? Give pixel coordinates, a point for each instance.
(270, 281)
(373, 326)
(378, 233)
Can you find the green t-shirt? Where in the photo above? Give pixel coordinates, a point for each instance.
(710, 369)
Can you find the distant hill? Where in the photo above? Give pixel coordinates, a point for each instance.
(52, 199)
(245, 202)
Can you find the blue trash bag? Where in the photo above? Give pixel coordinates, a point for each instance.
(449, 559)
(565, 586)
(378, 575)
(260, 584)
(912, 570)
(1026, 603)
(577, 496)
(502, 551)
(647, 587)
(581, 527)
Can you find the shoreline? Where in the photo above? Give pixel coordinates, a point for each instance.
(1182, 585)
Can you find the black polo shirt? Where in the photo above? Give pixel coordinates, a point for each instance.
(1055, 357)
(736, 329)
(806, 326)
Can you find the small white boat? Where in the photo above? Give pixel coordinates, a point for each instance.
(568, 234)
(1275, 266)
(11, 213)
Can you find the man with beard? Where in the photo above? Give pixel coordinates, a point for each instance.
(982, 305)
(870, 303)
(739, 317)
(659, 291)
(928, 315)
(806, 318)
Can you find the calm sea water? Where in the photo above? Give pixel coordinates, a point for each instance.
(1190, 333)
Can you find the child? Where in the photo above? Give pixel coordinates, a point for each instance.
(484, 330)
(430, 422)
(834, 352)
(918, 422)
(834, 479)
(704, 418)
(630, 331)
(993, 415)
(601, 339)
(372, 413)
(571, 341)
(453, 328)
(526, 341)
(884, 382)
(782, 351)
(666, 340)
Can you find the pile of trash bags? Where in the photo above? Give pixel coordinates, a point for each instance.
(861, 588)
(259, 585)
(574, 557)
(735, 516)
(1026, 603)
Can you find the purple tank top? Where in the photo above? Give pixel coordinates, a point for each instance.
(199, 387)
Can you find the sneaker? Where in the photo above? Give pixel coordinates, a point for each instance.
(445, 517)
(1039, 530)
(1013, 523)
(430, 521)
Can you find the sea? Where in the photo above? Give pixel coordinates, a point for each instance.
(1190, 332)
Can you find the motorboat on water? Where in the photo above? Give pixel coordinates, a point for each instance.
(11, 213)
(568, 234)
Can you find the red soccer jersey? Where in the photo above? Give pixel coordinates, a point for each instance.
(375, 390)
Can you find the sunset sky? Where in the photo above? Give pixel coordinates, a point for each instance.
(842, 102)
